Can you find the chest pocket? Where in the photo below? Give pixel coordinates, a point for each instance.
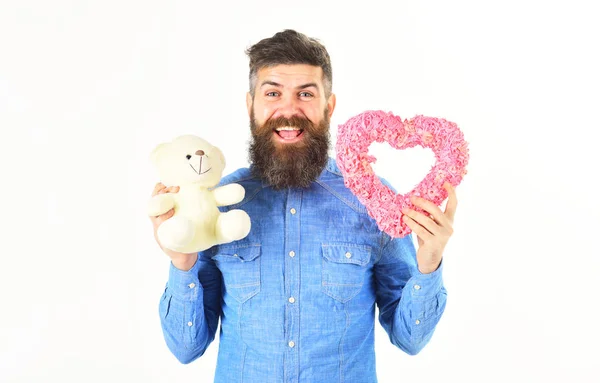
(343, 270)
(240, 267)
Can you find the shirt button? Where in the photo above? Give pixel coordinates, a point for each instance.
(192, 285)
(291, 344)
(235, 255)
(348, 255)
(417, 287)
(292, 254)
(291, 300)
(417, 321)
(190, 324)
(293, 211)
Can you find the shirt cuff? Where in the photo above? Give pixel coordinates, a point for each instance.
(184, 285)
(424, 286)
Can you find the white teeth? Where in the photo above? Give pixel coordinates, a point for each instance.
(286, 128)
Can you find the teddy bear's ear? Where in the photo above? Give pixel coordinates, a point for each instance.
(220, 155)
(155, 155)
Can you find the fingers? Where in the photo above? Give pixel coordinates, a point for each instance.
(427, 222)
(157, 188)
(452, 202)
(161, 189)
(419, 230)
(170, 189)
(439, 223)
(431, 208)
(156, 221)
(167, 215)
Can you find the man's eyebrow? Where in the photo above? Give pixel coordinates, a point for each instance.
(308, 85)
(273, 83)
(278, 85)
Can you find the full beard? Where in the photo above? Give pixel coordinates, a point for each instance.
(289, 165)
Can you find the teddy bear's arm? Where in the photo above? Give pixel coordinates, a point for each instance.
(229, 194)
(160, 204)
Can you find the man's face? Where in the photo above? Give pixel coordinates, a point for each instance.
(289, 120)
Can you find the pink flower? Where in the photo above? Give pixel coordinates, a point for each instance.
(426, 138)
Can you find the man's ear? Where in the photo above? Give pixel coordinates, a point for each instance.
(249, 104)
(331, 104)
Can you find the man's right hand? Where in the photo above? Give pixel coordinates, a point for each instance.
(181, 261)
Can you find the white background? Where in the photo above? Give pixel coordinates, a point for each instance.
(88, 88)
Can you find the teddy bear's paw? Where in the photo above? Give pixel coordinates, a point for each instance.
(159, 204)
(175, 233)
(232, 226)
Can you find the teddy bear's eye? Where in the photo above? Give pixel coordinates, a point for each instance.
(188, 156)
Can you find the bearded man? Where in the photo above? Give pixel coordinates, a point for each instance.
(297, 296)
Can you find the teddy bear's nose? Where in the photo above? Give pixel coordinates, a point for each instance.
(199, 152)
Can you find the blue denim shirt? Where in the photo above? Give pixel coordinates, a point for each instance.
(297, 296)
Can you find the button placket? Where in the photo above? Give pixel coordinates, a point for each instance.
(292, 280)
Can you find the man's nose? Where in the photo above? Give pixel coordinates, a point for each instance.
(289, 107)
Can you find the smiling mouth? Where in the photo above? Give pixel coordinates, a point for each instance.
(288, 133)
(199, 173)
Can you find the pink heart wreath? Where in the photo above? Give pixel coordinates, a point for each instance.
(383, 205)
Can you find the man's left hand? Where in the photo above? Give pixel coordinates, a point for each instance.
(433, 231)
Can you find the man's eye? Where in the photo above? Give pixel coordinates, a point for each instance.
(305, 94)
(272, 94)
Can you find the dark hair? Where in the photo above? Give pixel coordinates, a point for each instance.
(289, 47)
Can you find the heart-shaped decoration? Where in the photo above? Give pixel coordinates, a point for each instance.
(443, 137)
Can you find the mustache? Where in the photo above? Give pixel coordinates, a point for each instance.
(293, 121)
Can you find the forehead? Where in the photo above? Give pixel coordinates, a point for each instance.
(290, 75)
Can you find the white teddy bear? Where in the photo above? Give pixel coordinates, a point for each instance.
(197, 224)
